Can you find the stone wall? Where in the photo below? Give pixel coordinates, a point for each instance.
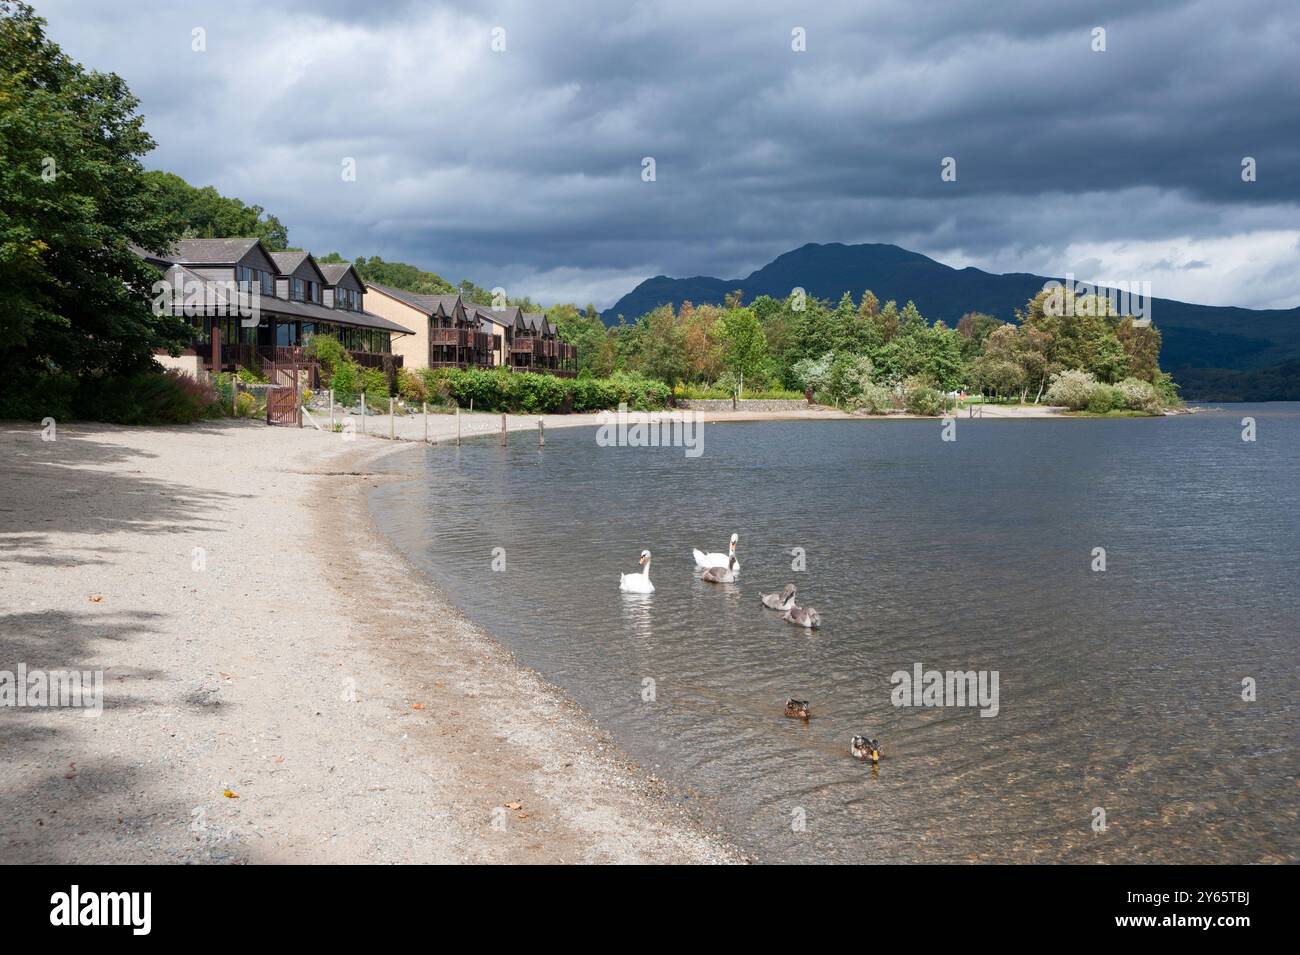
(745, 404)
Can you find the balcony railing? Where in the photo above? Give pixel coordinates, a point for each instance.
(449, 336)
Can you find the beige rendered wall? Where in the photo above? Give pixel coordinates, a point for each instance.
(414, 349)
(191, 365)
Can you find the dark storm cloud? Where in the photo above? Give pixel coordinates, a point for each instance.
(523, 168)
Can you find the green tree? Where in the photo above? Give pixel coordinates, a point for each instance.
(744, 348)
(585, 330)
(73, 197)
(655, 346)
(407, 277)
(204, 213)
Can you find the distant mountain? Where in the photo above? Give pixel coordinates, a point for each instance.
(1218, 353)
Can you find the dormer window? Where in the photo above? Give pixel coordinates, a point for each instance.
(298, 290)
(348, 299)
(250, 278)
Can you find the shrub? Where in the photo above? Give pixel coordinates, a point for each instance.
(224, 383)
(873, 399)
(410, 386)
(502, 390)
(330, 352)
(1167, 390)
(27, 397)
(1138, 395)
(849, 376)
(346, 382)
(1105, 398)
(1072, 388)
(375, 385)
(245, 405)
(813, 372)
(251, 376)
(920, 399)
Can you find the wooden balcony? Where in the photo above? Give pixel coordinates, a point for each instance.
(376, 359)
(458, 337)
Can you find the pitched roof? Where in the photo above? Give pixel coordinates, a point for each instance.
(509, 317)
(214, 293)
(334, 271)
(537, 322)
(206, 251)
(428, 304)
(286, 262)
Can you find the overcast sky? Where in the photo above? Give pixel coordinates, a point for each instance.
(523, 168)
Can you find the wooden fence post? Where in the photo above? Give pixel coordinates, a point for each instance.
(392, 422)
(458, 426)
(331, 409)
(424, 406)
(541, 433)
(503, 430)
(363, 412)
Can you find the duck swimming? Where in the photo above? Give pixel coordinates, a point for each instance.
(782, 601)
(864, 748)
(722, 575)
(718, 560)
(798, 709)
(803, 617)
(638, 583)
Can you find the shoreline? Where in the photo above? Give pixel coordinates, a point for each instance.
(476, 424)
(306, 697)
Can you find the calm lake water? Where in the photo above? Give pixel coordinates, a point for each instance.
(1119, 690)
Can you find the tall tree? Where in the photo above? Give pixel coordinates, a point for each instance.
(73, 196)
(744, 347)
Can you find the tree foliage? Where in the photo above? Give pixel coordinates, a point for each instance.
(204, 213)
(74, 198)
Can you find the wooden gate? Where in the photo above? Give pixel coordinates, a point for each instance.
(282, 407)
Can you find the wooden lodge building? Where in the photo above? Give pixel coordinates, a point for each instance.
(296, 298)
(449, 332)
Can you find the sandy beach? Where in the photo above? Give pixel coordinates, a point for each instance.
(279, 685)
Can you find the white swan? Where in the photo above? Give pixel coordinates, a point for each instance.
(638, 583)
(722, 575)
(719, 560)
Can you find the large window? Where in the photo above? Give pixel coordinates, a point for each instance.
(299, 290)
(347, 298)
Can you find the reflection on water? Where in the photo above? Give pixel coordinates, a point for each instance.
(636, 614)
(1119, 690)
